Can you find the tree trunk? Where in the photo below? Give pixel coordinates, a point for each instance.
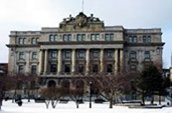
(77, 104)
(159, 99)
(47, 104)
(28, 95)
(143, 99)
(152, 101)
(0, 103)
(111, 103)
(13, 99)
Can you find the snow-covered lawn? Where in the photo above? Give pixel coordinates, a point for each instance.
(31, 107)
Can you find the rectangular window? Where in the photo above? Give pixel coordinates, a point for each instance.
(20, 41)
(24, 40)
(34, 41)
(67, 54)
(95, 37)
(95, 68)
(109, 54)
(80, 37)
(34, 55)
(95, 54)
(132, 55)
(21, 55)
(109, 37)
(21, 69)
(67, 68)
(147, 54)
(80, 68)
(53, 54)
(81, 54)
(53, 68)
(132, 39)
(109, 68)
(67, 37)
(55, 37)
(147, 39)
(34, 69)
(51, 38)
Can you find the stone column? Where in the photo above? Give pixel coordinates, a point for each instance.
(59, 61)
(45, 61)
(116, 61)
(87, 60)
(101, 60)
(121, 60)
(40, 62)
(73, 60)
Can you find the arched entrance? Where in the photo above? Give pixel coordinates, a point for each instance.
(51, 83)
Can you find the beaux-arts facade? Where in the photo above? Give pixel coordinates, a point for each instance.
(83, 45)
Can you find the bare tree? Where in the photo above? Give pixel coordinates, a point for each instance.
(51, 95)
(76, 94)
(109, 85)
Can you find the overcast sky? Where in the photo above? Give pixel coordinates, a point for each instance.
(34, 14)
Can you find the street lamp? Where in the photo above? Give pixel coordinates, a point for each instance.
(90, 91)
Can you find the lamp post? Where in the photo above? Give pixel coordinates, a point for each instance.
(90, 95)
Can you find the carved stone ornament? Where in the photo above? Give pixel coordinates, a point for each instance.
(81, 20)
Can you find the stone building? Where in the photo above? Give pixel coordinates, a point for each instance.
(82, 45)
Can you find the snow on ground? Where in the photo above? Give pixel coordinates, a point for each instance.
(31, 107)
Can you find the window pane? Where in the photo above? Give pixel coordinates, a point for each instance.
(109, 54)
(53, 68)
(80, 37)
(147, 54)
(33, 69)
(34, 41)
(21, 55)
(55, 38)
(146, 39)
(81, 54)
(34, 55)
(53, 54)
(67, 37)
(109, 37)
(21, 69)
(95, 54)
(109, 68)
(24, 40)
(67, 54)
(132, 55)
(20, 41)
(95, 37)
